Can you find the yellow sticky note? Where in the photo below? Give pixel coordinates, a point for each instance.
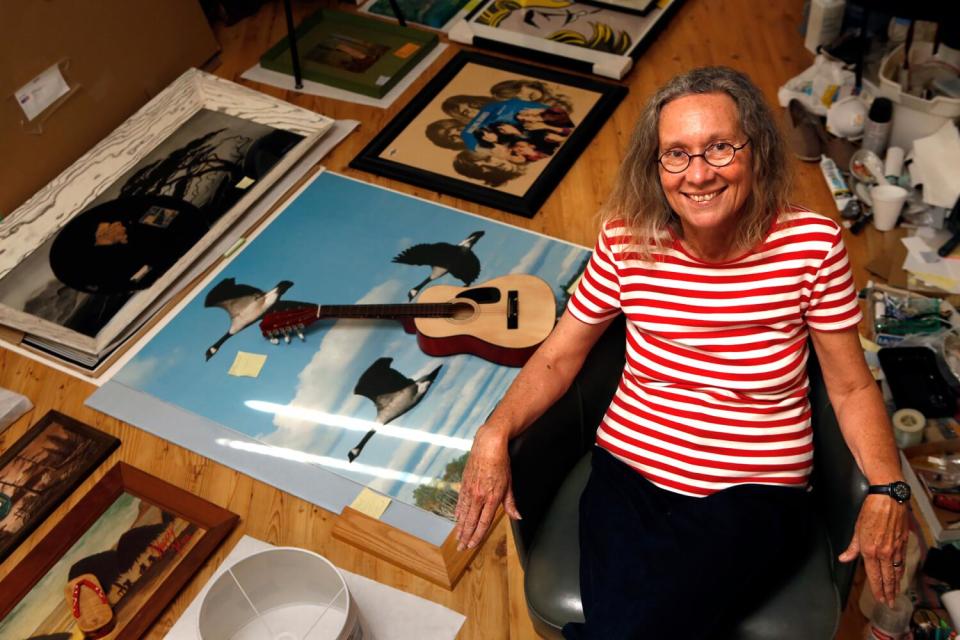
(247, 364)
(244, 182)
(407, 50)
(370, 503)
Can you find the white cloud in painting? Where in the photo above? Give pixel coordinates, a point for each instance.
(140, 371)
(574, 256)
(321, 385)
(530, 258)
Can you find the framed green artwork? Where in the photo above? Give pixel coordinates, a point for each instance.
(352, 52)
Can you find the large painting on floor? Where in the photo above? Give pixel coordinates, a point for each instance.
(359, 397)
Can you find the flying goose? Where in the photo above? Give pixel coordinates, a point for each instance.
(392, 392)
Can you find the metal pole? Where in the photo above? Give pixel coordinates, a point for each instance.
(292, 40)
(399, 14)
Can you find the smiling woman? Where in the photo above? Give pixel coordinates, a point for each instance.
(696, 491)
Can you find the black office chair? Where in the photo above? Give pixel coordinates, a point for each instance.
(550, 462)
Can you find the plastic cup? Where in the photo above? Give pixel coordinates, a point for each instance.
(951, 602)
(887, 200)
(893, 163)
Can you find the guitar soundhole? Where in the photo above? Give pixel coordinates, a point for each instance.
(462, 311)
(482, 295)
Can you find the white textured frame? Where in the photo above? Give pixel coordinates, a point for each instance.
(48, 210)
(608, 65)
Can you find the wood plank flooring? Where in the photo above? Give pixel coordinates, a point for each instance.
(760, 38)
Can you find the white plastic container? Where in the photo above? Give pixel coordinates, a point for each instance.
(284, 593)
(824, 23)
(913, 117)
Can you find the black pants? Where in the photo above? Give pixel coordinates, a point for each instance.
(655, 564)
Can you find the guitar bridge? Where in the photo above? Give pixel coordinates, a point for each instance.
(513, 309)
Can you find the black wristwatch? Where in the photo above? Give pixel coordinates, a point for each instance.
(899, 491)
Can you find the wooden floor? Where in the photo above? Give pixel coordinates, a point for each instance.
(759, 37)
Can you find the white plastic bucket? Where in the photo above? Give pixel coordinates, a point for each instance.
(284, 593)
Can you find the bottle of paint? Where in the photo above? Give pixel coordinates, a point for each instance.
(876, 130)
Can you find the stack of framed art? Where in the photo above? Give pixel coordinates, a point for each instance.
(85, 260)
(493, 131)
(603, 38)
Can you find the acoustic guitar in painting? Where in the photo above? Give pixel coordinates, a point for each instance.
(503, 320)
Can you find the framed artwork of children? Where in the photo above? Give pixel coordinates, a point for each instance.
(498, 132)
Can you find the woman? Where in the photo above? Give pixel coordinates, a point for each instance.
(696, 502)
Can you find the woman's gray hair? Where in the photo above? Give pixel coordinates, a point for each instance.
(638, 197)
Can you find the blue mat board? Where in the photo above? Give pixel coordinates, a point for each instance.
(306, 481)
(335, 241)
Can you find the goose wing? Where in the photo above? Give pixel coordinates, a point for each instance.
(431, 255)
(461, 262)
(228, 290)
(380, 379)
(466, 268)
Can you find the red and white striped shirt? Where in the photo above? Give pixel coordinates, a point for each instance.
(714, 390)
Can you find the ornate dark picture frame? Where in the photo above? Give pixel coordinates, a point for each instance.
(42, 468)
(587, 101)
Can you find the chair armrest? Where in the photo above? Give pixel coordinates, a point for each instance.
(838, 486)
(542, 456)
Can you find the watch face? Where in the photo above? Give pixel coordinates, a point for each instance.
(900, 491)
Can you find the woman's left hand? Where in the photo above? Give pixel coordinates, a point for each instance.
(881, 538)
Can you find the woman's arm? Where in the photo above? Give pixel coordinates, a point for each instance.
(543, 379)
(881, 531)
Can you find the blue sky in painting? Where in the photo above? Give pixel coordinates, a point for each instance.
(335, 241)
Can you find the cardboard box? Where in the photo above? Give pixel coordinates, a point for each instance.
(117, 54)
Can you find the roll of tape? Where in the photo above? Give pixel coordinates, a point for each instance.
(908, 427)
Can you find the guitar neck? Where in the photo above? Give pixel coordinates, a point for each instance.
(387, 311)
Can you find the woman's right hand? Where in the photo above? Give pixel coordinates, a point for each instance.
(486, 483)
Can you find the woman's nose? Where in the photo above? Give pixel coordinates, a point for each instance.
(699, 171)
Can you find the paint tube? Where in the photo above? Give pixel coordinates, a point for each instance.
(838, 186)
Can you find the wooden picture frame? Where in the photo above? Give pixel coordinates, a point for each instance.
(81, 450)
(427, 143)
(352, 52)
(594, 37)
(122, 483)
(28, 233)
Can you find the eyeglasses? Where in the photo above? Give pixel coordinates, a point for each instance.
(717, 154)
